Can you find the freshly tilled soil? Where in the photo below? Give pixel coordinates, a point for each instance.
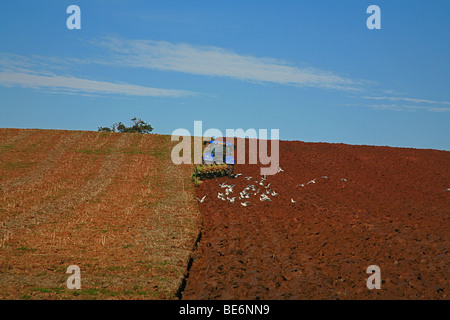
(363, 206)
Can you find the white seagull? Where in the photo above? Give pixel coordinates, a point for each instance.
(201, 201)
(293, 201)
(246, 203)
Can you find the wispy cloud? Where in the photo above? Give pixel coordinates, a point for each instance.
(219, 62)
(55, 74)
(32, 73)
(65, 84)
(408, 100)
(407, 104)
(399, 107)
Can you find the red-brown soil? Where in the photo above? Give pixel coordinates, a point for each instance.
(391, 210)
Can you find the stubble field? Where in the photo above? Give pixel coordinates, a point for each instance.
(113, 204)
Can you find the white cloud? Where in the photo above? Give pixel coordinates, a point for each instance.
(438, 109)
(399, 107)
(34, 73)
(395, 107)
(408, 100)
(68, 84)
(418, 104)
(215, 61)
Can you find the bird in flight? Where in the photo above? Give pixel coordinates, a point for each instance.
(201, 201)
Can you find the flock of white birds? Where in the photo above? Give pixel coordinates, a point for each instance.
(258, 190)
(254, 190)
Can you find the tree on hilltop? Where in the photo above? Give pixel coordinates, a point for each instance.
(139, 126)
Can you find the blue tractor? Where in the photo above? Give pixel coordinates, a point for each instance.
(218, 159)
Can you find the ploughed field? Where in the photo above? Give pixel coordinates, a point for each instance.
(337, 209)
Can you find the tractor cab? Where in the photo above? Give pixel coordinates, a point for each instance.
(218, 152)
(217, 160)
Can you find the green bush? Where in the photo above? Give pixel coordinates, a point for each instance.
(138, 126)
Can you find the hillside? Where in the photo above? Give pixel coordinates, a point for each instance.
(116, 206)
(111, 203)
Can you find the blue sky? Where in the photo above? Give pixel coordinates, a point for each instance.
(311, 69)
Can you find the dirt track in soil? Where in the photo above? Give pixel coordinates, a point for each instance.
(367, 206)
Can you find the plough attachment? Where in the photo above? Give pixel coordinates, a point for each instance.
(210, 171)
